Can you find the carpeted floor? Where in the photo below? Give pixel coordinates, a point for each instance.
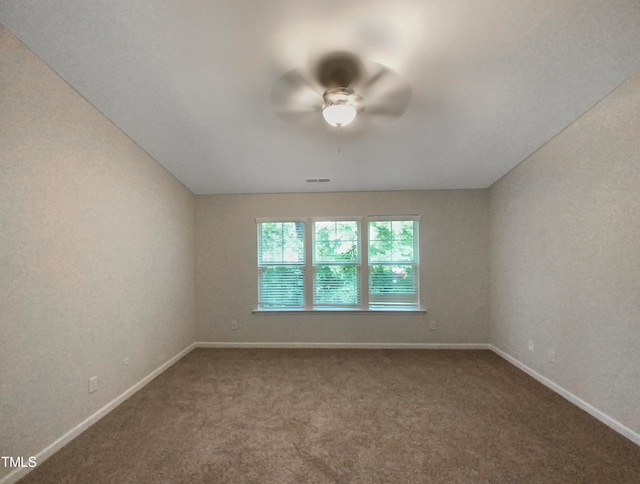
(338, 416)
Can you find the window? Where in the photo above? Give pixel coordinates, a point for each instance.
(329, 264)
(393, 264)
(336, 264)
(281, 265)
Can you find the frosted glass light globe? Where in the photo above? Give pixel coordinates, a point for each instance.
(339, 114)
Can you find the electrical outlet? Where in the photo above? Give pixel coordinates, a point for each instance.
(93, 384)
(432, 325)
(125, 362)
(234, 325)
(552, 356)
(531, 345)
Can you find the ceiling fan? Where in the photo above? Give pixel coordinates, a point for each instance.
(339, 87)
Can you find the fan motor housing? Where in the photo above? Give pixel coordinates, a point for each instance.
(341, 95)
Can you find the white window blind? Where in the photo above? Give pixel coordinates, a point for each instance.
(281, 265)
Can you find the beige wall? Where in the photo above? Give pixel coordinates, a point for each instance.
(454, 270)
(565, 257)
(96, 257)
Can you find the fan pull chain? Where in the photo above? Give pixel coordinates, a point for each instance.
(339, 131)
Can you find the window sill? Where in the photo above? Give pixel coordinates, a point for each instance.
(339, 310)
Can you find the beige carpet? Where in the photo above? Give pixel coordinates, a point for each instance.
(338, 416)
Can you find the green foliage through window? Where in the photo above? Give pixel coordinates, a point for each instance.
(336, 241)
(391, 241)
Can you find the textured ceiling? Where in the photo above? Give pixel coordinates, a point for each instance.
(190, 82)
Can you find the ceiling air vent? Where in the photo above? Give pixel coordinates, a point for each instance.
(318, 180)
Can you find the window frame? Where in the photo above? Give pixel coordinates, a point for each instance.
(415, 263)
(264, 265)
(357, 263)
(362, 265)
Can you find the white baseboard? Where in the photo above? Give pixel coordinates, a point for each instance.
(385, 346)
(48, 451)
(587, 407)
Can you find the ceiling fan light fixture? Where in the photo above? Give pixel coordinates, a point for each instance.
(339, 114)
(339, 106)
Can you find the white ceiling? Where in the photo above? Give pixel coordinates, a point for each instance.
(190, 82)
